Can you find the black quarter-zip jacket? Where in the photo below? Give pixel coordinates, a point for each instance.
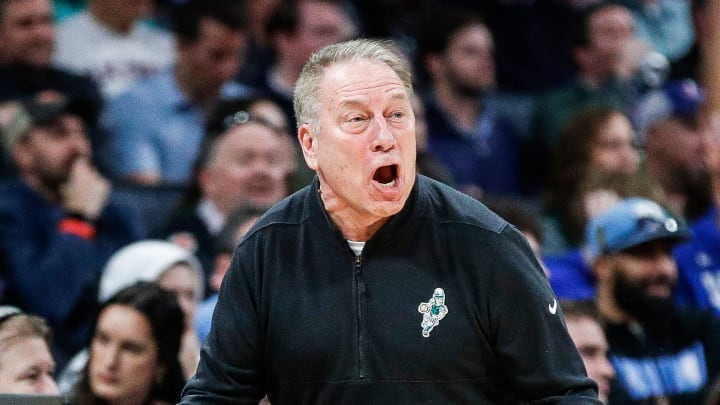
(303, 319)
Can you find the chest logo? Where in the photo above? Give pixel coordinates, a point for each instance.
(432, 311)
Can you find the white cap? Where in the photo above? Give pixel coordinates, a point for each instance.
(145, 260)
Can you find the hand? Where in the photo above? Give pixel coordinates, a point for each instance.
(86, 191)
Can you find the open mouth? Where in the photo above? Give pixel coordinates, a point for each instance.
(386, 175)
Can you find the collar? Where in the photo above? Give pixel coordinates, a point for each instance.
(210, 216)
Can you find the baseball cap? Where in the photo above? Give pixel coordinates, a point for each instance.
(679, 98)
(629, 223)
(17, 117)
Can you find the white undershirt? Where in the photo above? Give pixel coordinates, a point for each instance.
(356, 246)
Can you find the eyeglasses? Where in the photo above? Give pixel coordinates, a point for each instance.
(243, 117)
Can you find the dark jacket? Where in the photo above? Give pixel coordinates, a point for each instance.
(301, 318)
(53, 273)
(677, 357)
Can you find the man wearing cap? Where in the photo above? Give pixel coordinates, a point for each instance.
(662, 353)
(57, 228)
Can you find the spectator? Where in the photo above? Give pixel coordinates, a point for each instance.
(236, 226)
(669, 120)
(134, 350)
(169, 266)
(246, 159)
(26, 365)
(660, 351)
(27, 35)
(156, 127)
(294, 30)
(585, 328)
(465, 131)
(597, 142)
(109, 42)
(57, 227)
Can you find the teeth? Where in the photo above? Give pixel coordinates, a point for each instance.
(390, 184)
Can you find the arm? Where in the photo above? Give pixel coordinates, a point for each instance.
(230, 369)
(528, 330)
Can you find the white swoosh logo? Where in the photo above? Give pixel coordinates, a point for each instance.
(553, 307)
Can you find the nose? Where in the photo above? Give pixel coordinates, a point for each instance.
(606, 368)
(383, 139)
(48, 386)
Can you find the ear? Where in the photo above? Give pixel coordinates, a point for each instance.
(160, 371)
(581, 56)
(22, 155)
(602, 268)
(309, 144)
(433, 64)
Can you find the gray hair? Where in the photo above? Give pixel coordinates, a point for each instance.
(307, 87)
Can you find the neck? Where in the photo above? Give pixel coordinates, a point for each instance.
(202, 96)
(109, 19)
(352, 224)
(283, 77)
(461, 109)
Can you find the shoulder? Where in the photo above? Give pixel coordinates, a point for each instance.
(448, 205)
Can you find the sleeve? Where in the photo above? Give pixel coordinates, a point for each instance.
(49, 267)
(129, 148)
(230, 369)
(528, 330)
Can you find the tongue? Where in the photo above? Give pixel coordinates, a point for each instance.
(384, 175)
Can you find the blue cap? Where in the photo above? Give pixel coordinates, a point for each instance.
(685, 97)
(678, 98)
(631, 222)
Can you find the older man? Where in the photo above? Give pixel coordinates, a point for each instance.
(374, 285)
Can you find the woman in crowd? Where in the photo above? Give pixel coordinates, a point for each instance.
(134, 350)
(26, 365)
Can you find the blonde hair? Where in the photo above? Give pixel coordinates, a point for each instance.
(18, 327)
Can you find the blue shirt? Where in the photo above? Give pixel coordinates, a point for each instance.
(155, 128)
(699, 265)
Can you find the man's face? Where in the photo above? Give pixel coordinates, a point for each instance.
(27, 34)
(48, 153)
(364, 150)
(250, 166)
(590, 341)
(610, 30)
(644, 278)
(214, 57)
(468, 62)
(320, 24)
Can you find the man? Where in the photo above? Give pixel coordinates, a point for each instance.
(57, 228)
(583, 324)
(109, 42)
(466, 132)
(322, 301)
(156, 127)
(295, 30)
(668, 119)
(27, 35)
(662, 353)
(246, 160)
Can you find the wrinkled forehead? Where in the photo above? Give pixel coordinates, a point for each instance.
(360, 78)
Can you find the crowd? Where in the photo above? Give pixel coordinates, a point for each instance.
(141, 140)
